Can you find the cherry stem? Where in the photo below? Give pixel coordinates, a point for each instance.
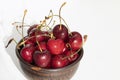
(53, 24)
(50, 13)
(15, 24)
(39, 46)
(85, 38)
(18, 26)
(18, 30)
(60, 14)
(23, 42)
(51, 17)
(41, 24)
(51, 35)
(25, 11)
(68, 45)
(12, 39)
(72, 54)
(37, 40)
(61, 19)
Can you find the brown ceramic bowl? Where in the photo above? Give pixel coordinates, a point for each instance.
(36, 73)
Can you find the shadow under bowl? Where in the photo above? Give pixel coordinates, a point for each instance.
(36, 73)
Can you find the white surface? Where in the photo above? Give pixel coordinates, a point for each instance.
(100, 19)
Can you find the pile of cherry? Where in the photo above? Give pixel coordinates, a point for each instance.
(55, 48)
(52, 48)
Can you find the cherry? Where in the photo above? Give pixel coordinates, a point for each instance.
(76, 34)
(27, 53)
(60, 32)
(28, 41)
(75, 41)
(49, 65)
(55, 46)
(66, 48)
(71, 55)
(46, 35)
(32, 27)
(42, 59)
(58, 61)
(38, 35)
(42, 46)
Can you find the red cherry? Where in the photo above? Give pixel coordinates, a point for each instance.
(32, 27)
(49, 65)
(28, 41)
(58, 61)
(60, 32)
(42, 59)
(27, 53)
(71, 55)
(46, 35)
(55, 46)
(76, 34)
(75, 42)
(42, 45)
(38, 35)
(66, 48)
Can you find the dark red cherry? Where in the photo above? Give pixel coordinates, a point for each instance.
(27, 53)
(49, 65)
(28, 40)
(61, 32)
(42, 59)
(32, 27)
(71, 55)
(46, 35)
(41, 45)
(38, 35)
(76, 34)
(58, 61)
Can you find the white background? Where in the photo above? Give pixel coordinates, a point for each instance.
(99, 19)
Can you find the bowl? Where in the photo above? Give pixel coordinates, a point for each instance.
(36, 73)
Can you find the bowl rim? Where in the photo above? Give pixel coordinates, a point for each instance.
(45, 69)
